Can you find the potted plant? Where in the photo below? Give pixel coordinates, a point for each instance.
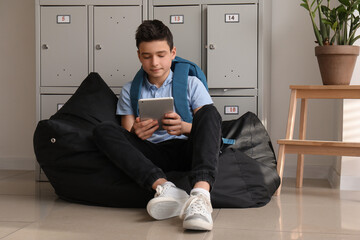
(335, 35)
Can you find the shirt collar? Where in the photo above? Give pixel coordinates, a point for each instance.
(167, 81)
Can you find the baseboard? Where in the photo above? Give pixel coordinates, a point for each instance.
(350, 183)
(14, 163)
(334, 178)
(310, 171)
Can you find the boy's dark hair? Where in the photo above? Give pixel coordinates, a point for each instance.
(151, 30)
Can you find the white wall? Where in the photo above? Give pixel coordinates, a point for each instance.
(350, 166)
(294, 63)
(17, 83)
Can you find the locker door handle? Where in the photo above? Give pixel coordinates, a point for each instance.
(212, 46)
(45, 46)
(98, 47)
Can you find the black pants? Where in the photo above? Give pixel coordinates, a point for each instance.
(145, 162)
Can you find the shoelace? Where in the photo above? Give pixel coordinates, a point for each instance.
(196, 204)
(161, 189)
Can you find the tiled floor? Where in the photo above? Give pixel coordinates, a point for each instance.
(31, 211)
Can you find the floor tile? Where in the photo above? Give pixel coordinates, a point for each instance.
(7, 228)
(24, 183)
(10, 173)
(27, 208)
(19, 184)
(31, 210)
(231, 234)
(318, 211)
(88, 222)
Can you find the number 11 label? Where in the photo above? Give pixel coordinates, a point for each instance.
(232, 18)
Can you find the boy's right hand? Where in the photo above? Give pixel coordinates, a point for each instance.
(145, 129)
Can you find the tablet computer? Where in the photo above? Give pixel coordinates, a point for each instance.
(155, 108)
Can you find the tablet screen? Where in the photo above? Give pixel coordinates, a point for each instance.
(155, 108)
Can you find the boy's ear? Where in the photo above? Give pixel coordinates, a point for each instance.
(173, 53)
(138, 53)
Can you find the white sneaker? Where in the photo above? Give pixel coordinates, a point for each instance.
(168, 201)
(197, 213)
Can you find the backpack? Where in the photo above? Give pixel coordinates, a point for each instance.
(182, 68)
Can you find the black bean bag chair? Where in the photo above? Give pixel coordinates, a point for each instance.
(80, 172)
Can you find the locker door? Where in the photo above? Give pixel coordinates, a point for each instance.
(115, 52)
(185, 24)
(50, 104)
(64, 46)
(232, 46)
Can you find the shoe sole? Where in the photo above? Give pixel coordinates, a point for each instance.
(197, 225)
(163, 208)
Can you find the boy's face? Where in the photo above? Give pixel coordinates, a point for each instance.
(156, 58)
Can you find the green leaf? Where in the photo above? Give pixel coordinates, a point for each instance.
(354, 40)
(326, 11)
(327, 22)
(345, 2)
(304, 5)
(334, 26)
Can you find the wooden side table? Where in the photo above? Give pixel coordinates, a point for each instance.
(301, 146)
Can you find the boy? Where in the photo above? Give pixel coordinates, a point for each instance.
(145, 153)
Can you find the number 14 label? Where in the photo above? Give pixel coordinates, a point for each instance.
(232, 18)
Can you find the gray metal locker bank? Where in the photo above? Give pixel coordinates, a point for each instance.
(229, 40)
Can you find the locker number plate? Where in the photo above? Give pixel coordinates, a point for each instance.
(61, 19)
(176, 19)
(232, 18)
(231, 110)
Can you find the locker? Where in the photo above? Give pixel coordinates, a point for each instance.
(50, 104)
(115, 57)
(64, 45)
(185, 24)
(232, 46)
(233, 107)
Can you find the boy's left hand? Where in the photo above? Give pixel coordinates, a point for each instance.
(174, 126)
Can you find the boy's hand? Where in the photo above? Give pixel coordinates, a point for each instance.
(145, 129)
(174, 126)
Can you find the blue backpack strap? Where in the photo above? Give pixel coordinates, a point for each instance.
(179, 90)
(182, 69)
(194, 70)
(135, 91)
